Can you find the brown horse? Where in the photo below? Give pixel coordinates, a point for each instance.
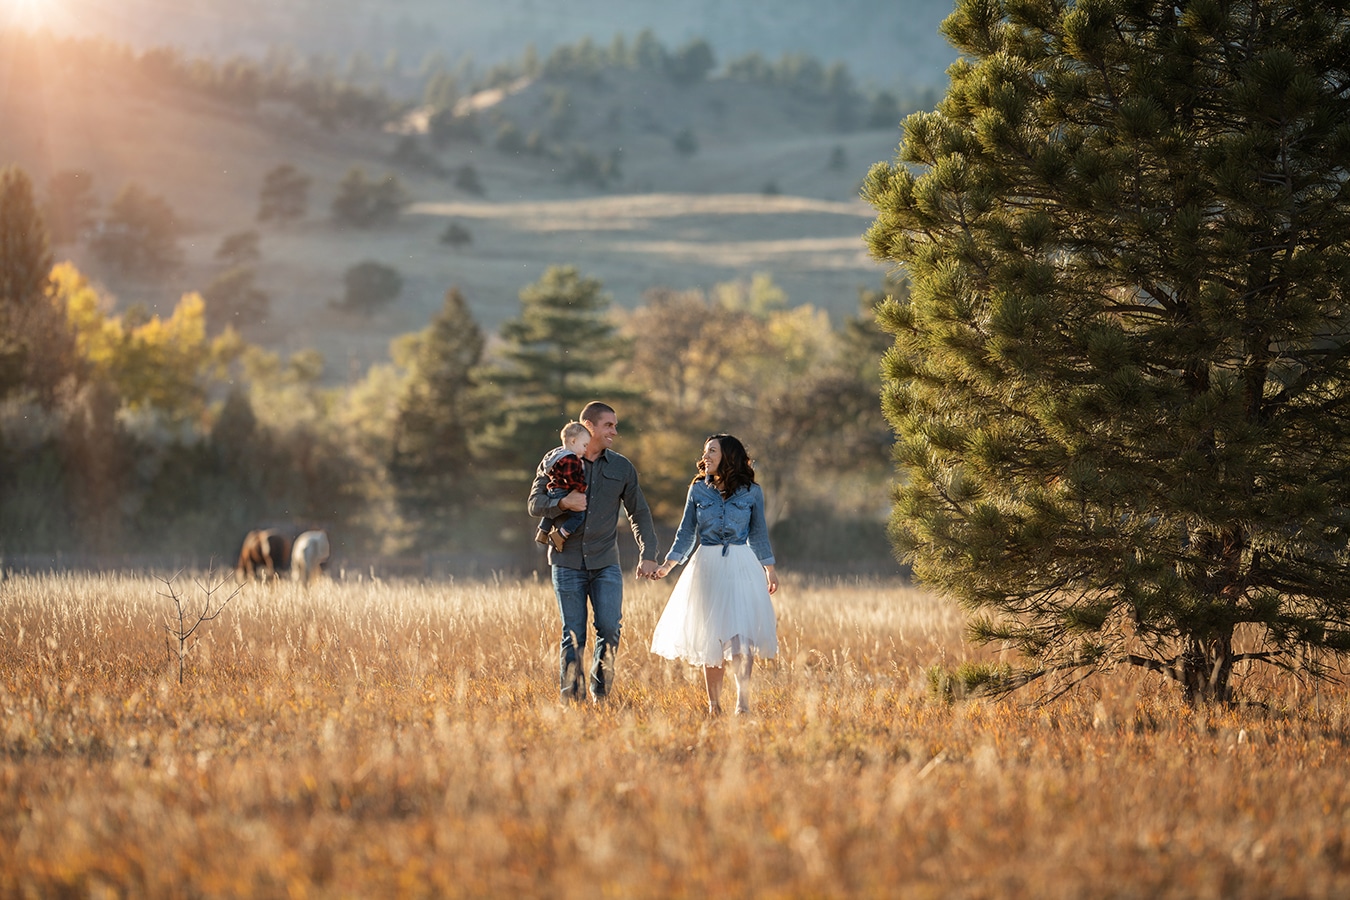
(263, 554)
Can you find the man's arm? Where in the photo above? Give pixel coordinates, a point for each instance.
(540, 503)
(640, 519)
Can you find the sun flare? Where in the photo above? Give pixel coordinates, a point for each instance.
(27, 13)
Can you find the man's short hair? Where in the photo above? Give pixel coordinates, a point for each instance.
(594, 410)
(573, 429)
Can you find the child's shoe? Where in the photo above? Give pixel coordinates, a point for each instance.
(557, 537)
(541, 536)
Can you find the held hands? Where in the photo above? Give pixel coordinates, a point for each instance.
(649, 569)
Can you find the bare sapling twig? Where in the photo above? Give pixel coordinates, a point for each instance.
(178, 625)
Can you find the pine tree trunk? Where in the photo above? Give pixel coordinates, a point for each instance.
(1205, 667)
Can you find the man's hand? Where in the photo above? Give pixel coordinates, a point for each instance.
(647, 568)
(573, 502)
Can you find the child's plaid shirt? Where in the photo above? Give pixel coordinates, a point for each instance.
(568, 473)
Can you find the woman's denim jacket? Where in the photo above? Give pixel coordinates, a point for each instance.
(739, 519)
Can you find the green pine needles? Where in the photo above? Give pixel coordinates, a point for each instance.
(1119, 381)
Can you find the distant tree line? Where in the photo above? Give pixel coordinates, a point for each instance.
(356, 94)
(849, 105)
(122, 431)
(137, 236)
(239, 80)
(827, 94)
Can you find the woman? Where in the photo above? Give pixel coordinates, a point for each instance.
(720, 609)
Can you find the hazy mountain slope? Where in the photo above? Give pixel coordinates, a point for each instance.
(880, 40)
(672, 220)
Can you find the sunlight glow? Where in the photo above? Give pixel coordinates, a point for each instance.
(27, 13)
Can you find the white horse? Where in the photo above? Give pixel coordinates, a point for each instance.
(308, 552)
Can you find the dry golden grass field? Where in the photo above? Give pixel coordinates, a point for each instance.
(375, 739)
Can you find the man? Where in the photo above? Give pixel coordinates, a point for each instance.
(587, 567)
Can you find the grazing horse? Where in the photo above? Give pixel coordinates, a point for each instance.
(311, 551)
(263, 553)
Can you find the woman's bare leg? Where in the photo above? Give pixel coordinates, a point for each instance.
(742, 665)
(712, 679)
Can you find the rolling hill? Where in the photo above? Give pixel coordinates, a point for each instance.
(881, 40)
(769, 189)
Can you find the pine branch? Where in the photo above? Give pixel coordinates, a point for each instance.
(1167, 669)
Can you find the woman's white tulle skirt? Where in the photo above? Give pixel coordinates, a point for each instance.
(719, 608)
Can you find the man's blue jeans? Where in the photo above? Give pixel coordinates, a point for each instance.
(604, 588)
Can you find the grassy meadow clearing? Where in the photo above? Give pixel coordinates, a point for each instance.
(371, 738)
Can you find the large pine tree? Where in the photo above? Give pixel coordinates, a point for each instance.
(553, 356)
(1120, 381)
(25, 258)
(37, 349)
(439, 415)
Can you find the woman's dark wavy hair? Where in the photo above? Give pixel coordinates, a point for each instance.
(736, 471)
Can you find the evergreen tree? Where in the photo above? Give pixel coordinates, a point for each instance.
(1119, 382)
(843, 98)
(649, 54)
(409, 152)
(685, 142)
(467, 180)
(239, 248)
(620, 56)
(36, 346)
(140, 234)
(233, 298)
(555, 352)
(363, 203)
(441, 91)
(510, 139)
(802, 74)
(691, 63)
(439, 414)
(284, 196)
(884, 111)
(456, 235)
(69, 210)
(444, 126)
(369, 286)
(25, 257)
(752, 68)
(838, 160)
(562, 114)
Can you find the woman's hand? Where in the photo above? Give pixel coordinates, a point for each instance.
(772, 576)
(664, 570)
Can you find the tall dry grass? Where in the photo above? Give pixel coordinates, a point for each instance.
(387, 739)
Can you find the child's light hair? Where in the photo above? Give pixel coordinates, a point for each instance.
(572, 430)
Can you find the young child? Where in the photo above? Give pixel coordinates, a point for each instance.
(566, 473)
